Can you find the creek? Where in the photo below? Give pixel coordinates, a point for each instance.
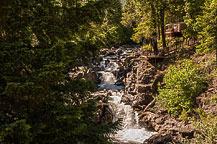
(110, 67)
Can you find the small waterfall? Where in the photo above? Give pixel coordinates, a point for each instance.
(131, 132)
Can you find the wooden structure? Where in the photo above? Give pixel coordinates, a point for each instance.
(175, 29)
(150, 56)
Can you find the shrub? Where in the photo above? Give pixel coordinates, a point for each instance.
(16, 132)
(183, 83)
(206, 130)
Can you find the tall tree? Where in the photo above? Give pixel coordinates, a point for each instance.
(40, 42)
(162, 22)
(147, 24)
(149, 18)
(207, 23)
(193, 8)
(129, 17)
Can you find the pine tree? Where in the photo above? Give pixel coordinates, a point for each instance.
(40, 42)
(207, 23)
(148, 19)
(146, 25)
(192, 10)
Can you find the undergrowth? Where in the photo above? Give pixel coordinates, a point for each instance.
(183, 83)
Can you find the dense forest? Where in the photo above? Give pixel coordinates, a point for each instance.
(42, 42)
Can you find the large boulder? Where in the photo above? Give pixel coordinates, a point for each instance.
(159, 139)
(143, 98)
(91, 76)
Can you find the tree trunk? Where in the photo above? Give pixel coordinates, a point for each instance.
(154, 34)
(162, 14)
(3, 13)
(216, 56)
(158, 31)
(154, 44)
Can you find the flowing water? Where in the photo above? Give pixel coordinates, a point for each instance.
(131, 132)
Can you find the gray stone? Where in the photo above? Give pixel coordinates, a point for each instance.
(159, 120)
(141, 88)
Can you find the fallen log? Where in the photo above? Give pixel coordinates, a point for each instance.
(149, 105)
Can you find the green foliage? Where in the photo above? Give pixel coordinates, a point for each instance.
(18, 131)
(144, 29)
(40, 42)
(148, 19)
(206, 130)
(146, 24)
(146, 47)
(213, 99)
(207, 23)
(184, 115)
(183, 83)
(129, 16)
(192, 10)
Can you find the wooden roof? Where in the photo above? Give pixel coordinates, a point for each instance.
(175, 23)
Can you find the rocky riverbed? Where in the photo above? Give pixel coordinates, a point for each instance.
(126, 84)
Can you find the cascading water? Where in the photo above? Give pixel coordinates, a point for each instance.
(131, 132)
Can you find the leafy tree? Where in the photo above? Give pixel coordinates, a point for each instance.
(40, 42)
(207, 23)
(129, 16)
(174, 11)
(129, 19)
(147, 25)
(183, 83)
(148, 19)
(193, 10)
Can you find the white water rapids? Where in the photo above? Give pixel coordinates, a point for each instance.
(131, 132)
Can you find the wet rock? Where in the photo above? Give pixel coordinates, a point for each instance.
(109, 93)
(159, 139)
(105, 100)
(100, 57)
(137, 107)
(91, 76)
(131, 91)
(97, 68)
(76, 75)
(80, 75)
(173, 131)
(115, 72)
(137, 54)
(100, 97)
(170, 122)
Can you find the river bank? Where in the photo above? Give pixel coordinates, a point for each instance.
(127, 83)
